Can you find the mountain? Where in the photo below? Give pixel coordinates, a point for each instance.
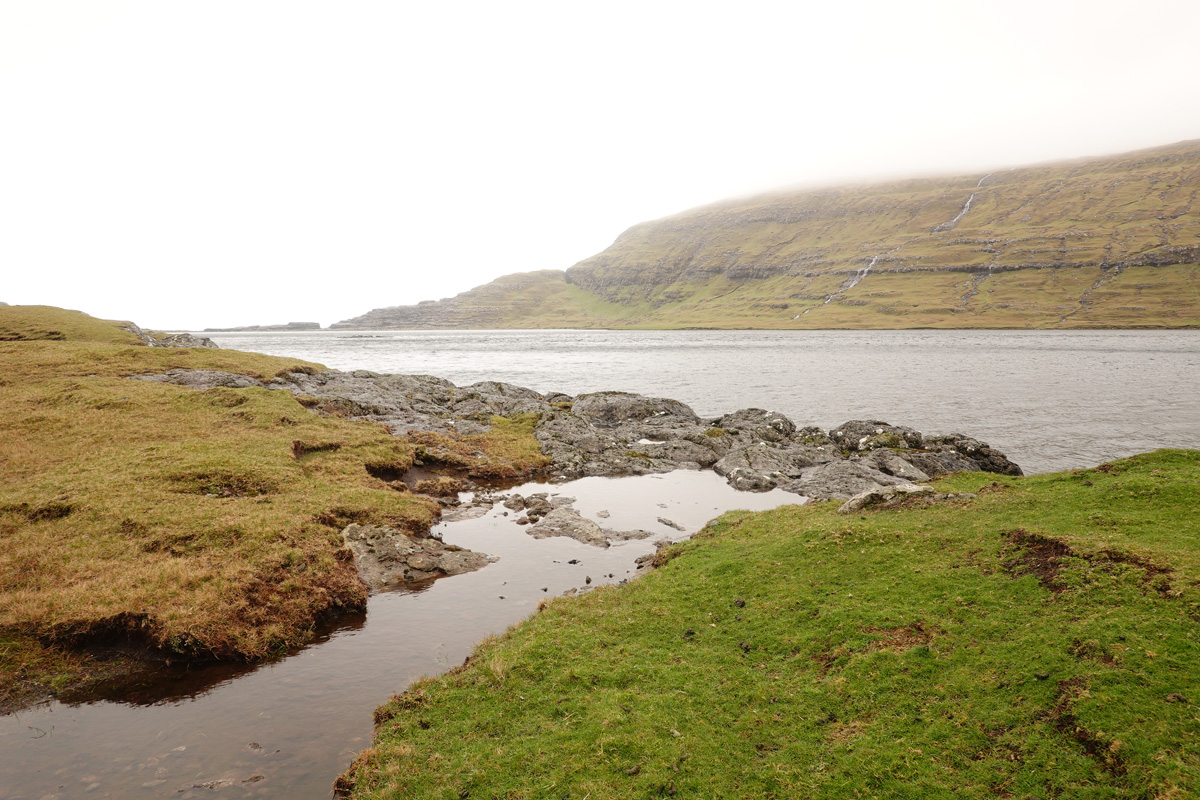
(1098, 242)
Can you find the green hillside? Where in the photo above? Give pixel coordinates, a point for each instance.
(1102, 242)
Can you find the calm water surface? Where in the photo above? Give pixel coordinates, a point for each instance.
(1050, 400)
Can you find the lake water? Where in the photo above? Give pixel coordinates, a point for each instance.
(285, 730)
(1049, 400)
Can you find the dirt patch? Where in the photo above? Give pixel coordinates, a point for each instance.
(386, 471)
(1034, 554)
(340, 516)
(224, 483)
(1093, 650)
(338, 407)
(897, 640)
(1155, 574)
(1103, 751)
(301, 449)
(842, 732)
(1037, 555)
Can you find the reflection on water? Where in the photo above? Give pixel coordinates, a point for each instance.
(285, 730)
(1051, 400)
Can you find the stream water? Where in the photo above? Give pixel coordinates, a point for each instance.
(287, 729)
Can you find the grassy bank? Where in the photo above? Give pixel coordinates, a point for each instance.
(200, 523)
(1037, 641)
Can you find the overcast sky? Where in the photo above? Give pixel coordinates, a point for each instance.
(202, 164)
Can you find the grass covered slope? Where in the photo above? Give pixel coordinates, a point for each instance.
(1093, 243)
(206, 523)
(1040, 640)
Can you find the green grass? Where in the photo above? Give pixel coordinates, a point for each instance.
(1040, 640)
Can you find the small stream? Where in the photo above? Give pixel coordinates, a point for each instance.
(287, 729)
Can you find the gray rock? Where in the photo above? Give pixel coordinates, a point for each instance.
(840, 480)
(883, 496)
(567, 522)
(891, 463)
(760, 458)
(386, 556)
(986, 458)
(618, 433)
(202, 379)
(745, 479)
(859, 435)
(613, 408)
(760, 425)
(154, 339)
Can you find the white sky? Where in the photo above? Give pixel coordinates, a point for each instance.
(201, 164)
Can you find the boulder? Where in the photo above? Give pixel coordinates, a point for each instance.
(883, 496)
(760, 458)
(567, 522)
(745, 479)
(839, 480)
(861, 435)
(891, 463)
(385, 556)
(613, 408)
(757, 424)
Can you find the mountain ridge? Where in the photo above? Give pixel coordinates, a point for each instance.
(1097, 242)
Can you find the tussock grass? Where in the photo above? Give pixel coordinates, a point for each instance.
(1040, 640)
(205, 523)
(506, 450)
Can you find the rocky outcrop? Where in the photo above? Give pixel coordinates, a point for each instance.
(387, 557)
(618, 433)
(156, 339)
(893, 496)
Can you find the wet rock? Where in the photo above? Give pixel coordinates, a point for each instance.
(567, 522)
(671, 524)
(514, 502)
(385, 556)
(615, 536)
(465, 512)
(537, 506)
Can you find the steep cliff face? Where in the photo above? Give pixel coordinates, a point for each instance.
(1098, 242)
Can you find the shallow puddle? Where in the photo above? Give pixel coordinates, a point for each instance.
(287, 729)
